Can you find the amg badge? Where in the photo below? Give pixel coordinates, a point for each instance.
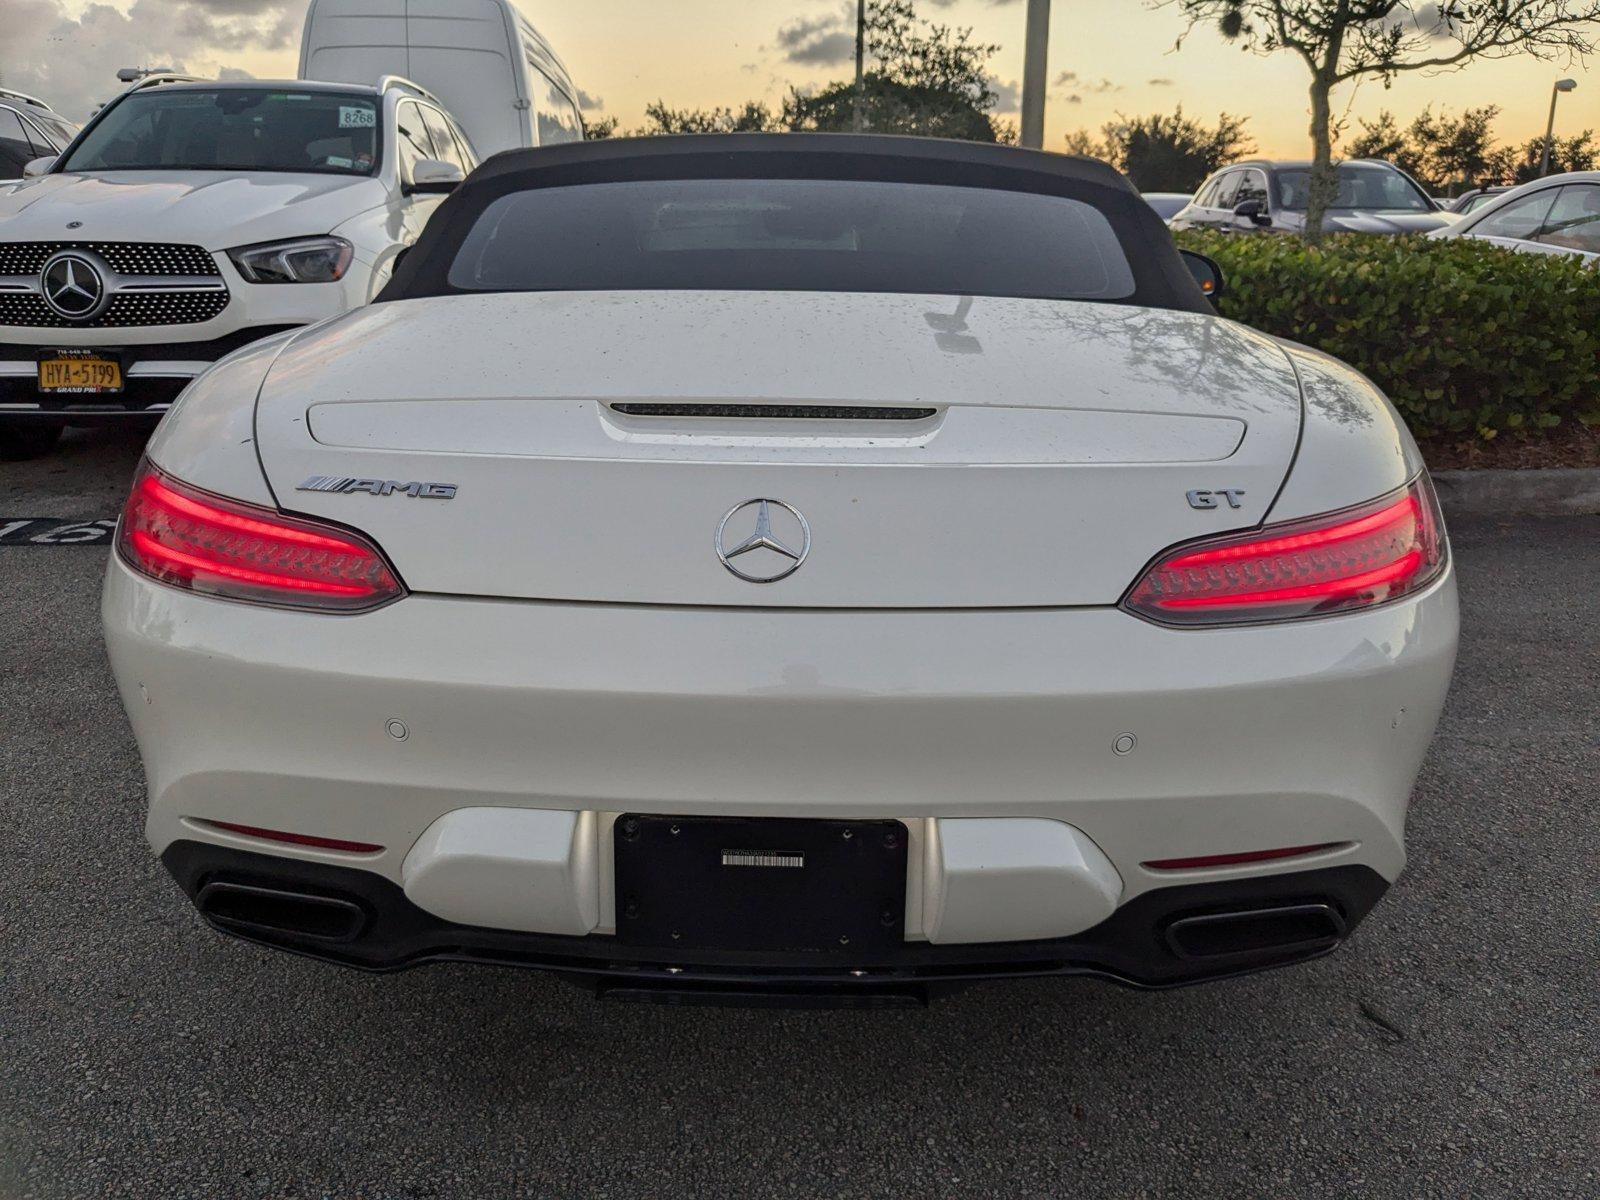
(378, 487)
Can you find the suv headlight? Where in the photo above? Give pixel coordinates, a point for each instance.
(304, 260)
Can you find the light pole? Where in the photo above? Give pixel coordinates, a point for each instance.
(858, 116)
(1562, 85)
(1034, 67)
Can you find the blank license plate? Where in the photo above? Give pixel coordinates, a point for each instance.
(72, 374)
(812, 887)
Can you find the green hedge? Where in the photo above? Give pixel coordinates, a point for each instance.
(1464, 336)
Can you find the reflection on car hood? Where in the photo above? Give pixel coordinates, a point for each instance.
(215, 209)
(1365, 222)
(1357, 221)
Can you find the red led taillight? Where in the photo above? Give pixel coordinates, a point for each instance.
(1345, 560)
(192, 539)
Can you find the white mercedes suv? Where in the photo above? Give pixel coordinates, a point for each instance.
(191, 218)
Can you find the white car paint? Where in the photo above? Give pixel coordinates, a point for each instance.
(1045, 418)
(509, 868)
(1257, 737)
(1306, 733)
(951, 654)
(989, 879)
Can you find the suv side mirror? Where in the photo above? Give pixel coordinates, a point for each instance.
(1254, 211)
(38, 166)
(432, 177)
(1206, 273)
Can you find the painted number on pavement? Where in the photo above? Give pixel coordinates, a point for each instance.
(52, 531)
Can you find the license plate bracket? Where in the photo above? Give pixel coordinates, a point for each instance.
(760, 884)
(78, 372)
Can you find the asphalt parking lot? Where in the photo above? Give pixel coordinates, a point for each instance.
(1450, 1049)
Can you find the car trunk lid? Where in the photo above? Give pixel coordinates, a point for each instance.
(943, 452)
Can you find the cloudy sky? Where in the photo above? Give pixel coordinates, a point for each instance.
(1106, 57)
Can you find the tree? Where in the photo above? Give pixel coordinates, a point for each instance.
(600, 129)
(1448, 155)
(1456, 152)
(1166, 153)
(1341, 41)
(1383, 138)
(1081, 141)
(1521, 164)
(1445, 154)
(926, 79)
(752, 117)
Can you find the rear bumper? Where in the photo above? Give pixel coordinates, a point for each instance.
(1135, 947)
(1152, 743)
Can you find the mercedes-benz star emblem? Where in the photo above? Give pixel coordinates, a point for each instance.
(72, 286)
(765, 556)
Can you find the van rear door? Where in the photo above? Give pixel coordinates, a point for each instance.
(467, 52)
(354, 41)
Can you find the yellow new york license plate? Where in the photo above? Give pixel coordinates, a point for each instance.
(79, 374)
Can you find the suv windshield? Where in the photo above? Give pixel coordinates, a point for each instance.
(1365, 186)
(233, 129)
(794, 235)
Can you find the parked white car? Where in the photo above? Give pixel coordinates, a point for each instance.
(772, 563)
(190, 218)
(1556, 215)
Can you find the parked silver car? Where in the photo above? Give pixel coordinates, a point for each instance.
(29, 129)
(1270, 196)
(1167, 204)
(1477, 198)
(1556, 215)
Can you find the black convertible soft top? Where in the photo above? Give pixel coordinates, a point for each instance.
(1160, 278)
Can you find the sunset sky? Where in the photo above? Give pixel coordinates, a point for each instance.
(1106, 57)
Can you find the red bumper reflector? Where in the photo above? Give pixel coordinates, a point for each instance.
(204, 543)
(1233, 860)
(295, 839)
(1345, 560)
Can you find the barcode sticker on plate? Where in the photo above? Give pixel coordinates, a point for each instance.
(760, 858)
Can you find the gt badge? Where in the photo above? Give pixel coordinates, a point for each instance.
(1204, 499)
(378, 487)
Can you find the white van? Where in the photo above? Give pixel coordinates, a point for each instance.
(482, 58)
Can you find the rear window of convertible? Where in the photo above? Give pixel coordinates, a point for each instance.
(793, 235)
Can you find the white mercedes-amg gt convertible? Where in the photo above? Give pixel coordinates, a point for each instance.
(782, 568)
